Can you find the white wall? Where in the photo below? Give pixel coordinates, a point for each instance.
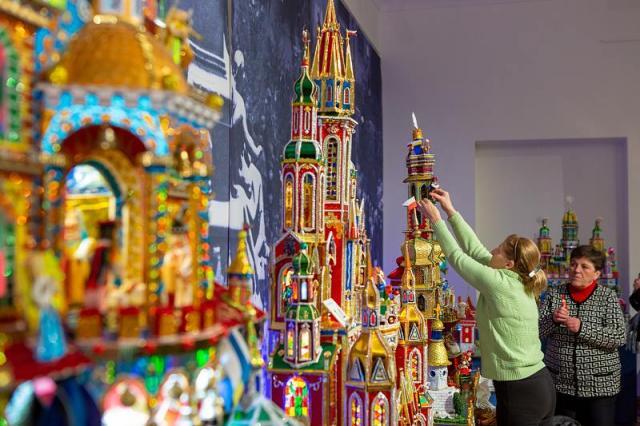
(527, 70)
(368, 15)
(517, 183)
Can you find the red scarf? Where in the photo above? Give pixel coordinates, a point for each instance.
(579, 295)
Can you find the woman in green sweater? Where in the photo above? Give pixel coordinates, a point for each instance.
(509, 281)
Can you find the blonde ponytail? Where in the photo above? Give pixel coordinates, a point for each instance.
(526, 259)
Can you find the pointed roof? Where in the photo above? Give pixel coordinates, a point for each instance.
(329, 56)
(348, 62)
(330, 20)
(240, 264)
(411, 319)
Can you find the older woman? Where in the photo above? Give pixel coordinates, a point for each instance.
(584, 327)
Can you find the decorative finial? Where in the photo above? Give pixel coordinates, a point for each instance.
(417, 131)
(305, 40)
(569, 199)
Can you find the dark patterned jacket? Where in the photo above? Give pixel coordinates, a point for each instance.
(587, 363)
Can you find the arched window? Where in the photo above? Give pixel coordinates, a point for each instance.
(285, 289)
(307, 121)
(296, 398)
(305, 343)
(304, 291)
(380, 411)
(309, 194)
(332, 169)
(290, 341)
(424, 192)
(329, 93)
(355, 410)
(347, 95)
(422, 303)
(296, 120)
(415, 364)
(288, 202)
(418, 273)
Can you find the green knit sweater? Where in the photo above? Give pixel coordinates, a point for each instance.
(507, 316)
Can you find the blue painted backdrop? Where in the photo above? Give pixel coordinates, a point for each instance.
(250, 53)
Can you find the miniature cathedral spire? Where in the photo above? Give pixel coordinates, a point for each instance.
(240, 274)
(330, 20)
(332, 67)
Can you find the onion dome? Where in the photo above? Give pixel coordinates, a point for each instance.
(544, 229)
(569, 218)
(305, 89)
(112, 52)
(302, 150)
(302, 262)
(596, 236)
(597, 230)
(302, 312)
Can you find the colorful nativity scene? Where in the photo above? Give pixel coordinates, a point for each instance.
(110, 311)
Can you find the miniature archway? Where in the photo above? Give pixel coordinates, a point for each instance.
(72, 118)
(124, 180)
(355, 410)
(415, 364)
(296, 397)
(380, 411)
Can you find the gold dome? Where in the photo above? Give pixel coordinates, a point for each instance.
(110, 52)
(437, 325)
(438, 355)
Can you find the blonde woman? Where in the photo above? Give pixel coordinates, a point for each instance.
(510, 281)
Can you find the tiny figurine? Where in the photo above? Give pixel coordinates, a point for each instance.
(51, 339)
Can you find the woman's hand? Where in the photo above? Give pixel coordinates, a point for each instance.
(429, 210)
(573, 324)
(443, 197)
(561, 315)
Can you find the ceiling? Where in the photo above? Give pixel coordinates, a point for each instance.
(404, 5)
